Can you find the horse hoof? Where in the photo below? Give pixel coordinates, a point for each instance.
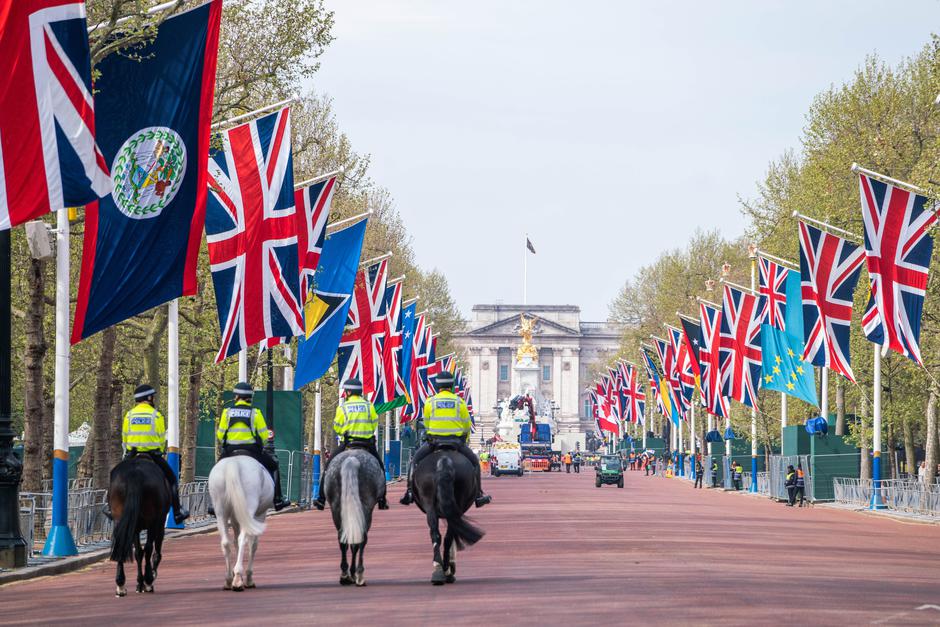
(361, 583)
(238, 588)
(120, 592)
(227, 586)
(450, 579)
(250, 585)
(345, 580)
(148, 589)
(438, 578)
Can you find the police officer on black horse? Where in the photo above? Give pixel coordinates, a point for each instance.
(143, 432)
(446, 418)
(355, 422)
(242, 430)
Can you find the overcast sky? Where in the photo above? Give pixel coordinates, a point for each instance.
(608, 131)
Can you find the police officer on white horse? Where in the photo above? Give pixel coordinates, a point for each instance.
(242, 430)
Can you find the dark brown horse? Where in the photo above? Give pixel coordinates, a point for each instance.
(445, 486)
(140, 501)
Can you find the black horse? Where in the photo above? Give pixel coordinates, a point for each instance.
(139, 496)
(445, 486)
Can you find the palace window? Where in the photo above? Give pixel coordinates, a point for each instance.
(587, 408)
(504, 372)
(546, 373)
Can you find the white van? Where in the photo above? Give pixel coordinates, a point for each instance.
(506, 459)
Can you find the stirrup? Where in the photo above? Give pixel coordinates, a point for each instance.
(281, 504)
(319, 503)
(180, 515)
(483, 499)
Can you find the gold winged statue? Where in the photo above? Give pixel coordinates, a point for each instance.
(526, 325)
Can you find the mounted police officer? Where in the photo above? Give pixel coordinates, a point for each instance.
(355, 422)
(143, 432)
(243, 431)
(446, 418)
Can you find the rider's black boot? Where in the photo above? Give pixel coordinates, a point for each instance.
(180, 513)
(107, 510)
(210, 510)
(279, 501)
(319, 502)
(483, 499)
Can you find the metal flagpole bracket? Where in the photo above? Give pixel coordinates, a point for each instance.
(333, 226)
(369, 262)
(256, 112)
(783, 262)
(409, 302)
(318, 178)
(887, 179)
(709, 303)
(739, 287)
(395, 281)
(826, 225)
(151, 11)
(682, 316)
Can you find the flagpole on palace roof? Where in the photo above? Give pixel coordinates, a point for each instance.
(525, 269)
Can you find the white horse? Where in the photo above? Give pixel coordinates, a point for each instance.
(242, 492)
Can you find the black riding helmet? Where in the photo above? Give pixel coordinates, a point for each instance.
(143, 392)
(243, 390)
(353, 386)
(444, 381)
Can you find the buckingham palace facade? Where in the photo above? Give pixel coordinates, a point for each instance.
(569, 352)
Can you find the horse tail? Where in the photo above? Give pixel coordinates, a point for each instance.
(125, 532)
(352, 517)
(235, 495)
(464, 532)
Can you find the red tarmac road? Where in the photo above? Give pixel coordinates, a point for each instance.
(557, 551)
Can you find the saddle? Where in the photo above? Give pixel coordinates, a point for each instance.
(445, 444)
(240, 451)
(360, 444)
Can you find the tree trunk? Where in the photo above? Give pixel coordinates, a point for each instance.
(115, 450)
(930, 471)
(865, 463)
(910, 455)
(48, 435)
(151, 350)
(892, 455)
(34, 405)
(191, 420)
(94, 461)
(840, 406)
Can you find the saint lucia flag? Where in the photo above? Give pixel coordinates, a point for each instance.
(782, 368)
(327, 305)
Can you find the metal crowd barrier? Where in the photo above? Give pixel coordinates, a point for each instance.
(777, 476)
(27, 518)
(763, 483)
(726, 472)
(902, 495)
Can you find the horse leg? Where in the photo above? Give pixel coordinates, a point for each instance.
(238, 583)
(437, 577)
(226, 550)
(139, 558)
(353, 566)
(159, 533)
(450, 558)
(344, 578)
(119, 580)
(148, 561)
(249, 574)
(361, 568)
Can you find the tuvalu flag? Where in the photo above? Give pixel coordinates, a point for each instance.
(782, 368)
(326, 309)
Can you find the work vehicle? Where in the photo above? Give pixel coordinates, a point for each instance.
(506, 459)
(609, 470)
(537, 446)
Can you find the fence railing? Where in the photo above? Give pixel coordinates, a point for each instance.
(852, 491)
(86, 519)
(903, 495)
(777, 475)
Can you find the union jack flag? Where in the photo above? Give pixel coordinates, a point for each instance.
(652, 376)
(829, 271)
(739, 346)
(392, 385)
(420, 343)
(772, 299)
(605, 418)
(48, 156)
(636, 400)
(360, 349)
(709, 360)
(251, 230)
(684, 370)
(313, 210)
(666, 358)
(897, 251)
(612, 385)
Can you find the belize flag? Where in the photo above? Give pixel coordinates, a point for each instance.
(154, 113)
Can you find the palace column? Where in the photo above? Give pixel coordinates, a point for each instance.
(556, 377)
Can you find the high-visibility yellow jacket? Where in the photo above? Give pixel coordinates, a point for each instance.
(446, 415)
(144, 429)
(242, 424)
(355, 418)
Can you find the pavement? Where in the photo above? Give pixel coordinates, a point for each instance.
(557, 551)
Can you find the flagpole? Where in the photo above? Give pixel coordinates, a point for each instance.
(824, 392)
(876, 500)
(59, 541)
(692, 439)
(243, 365)
(317, 440)
(317, 179)
(525, 270)
(265, 109)
(331, 227)
(783, 414)
(753, 253)
(388, 431)
(826, 225)
(173, 397)
(887, 179)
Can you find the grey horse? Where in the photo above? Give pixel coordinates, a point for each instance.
(352, 485)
